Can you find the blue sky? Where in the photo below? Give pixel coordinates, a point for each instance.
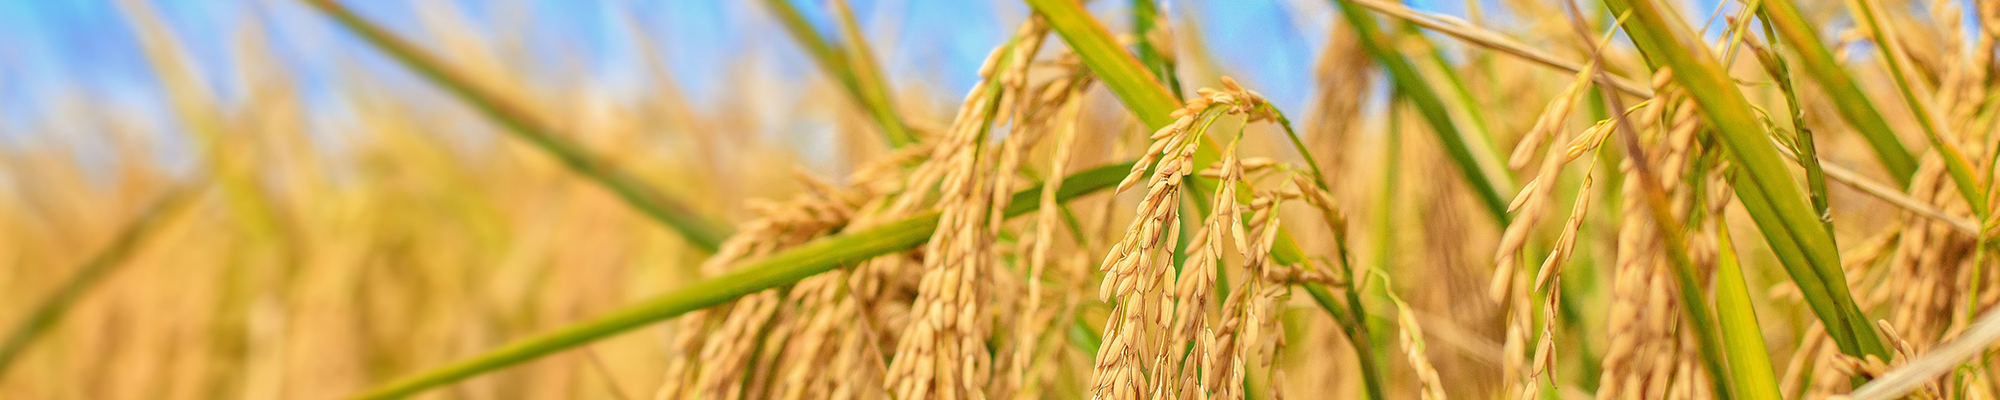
(55, 49)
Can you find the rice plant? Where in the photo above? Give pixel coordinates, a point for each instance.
(1521, 199)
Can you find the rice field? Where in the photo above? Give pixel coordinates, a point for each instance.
(1548, 199)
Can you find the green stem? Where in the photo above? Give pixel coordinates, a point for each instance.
(1803, 142)
(1299, 145)
(50, 310)
(1853, 105)
(1355, 327)
(1146, 18)
(777, 270)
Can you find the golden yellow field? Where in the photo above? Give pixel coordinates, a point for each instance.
(1633, 199)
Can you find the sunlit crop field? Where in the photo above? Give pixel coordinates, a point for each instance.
(812, 199)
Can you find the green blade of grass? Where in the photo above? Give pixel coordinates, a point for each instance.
(50, 310)
(1479, 166)
(1146, 18)
(1742, 337)
(1767, 189)
(777, 270)
(853, 66)
(702, 233)
(1463, 106)
(1119, 71)
(1854, 106)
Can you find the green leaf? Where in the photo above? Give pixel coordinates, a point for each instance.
(50, 310)
(1769, 194)
(1117, 69)
(699, 231)
(1479, 166)
(1742, 337)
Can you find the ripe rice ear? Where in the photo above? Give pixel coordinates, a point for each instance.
(1151, 103)
(776, 270)
(1916, 373)
(1871, 17)
(1411, 334)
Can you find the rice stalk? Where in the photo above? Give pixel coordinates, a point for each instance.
(776, 270)
(1352, 323)
(420, 244)
(1153, 41)
(1768, 192)
(48, 313)
(1853, 105)
(1914, 374)
(1471, 33)
(943, 353)
(1476, 165)
(1856, 108)
(1411, 334)
(1045, 220)
(1150, 102)
(1871, 17)
(700, 232)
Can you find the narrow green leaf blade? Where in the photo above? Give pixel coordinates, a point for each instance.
(1479, 166)
(777, 270)
(51, 310)
(702, 233)
(1119, 71)
(1742, 337)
